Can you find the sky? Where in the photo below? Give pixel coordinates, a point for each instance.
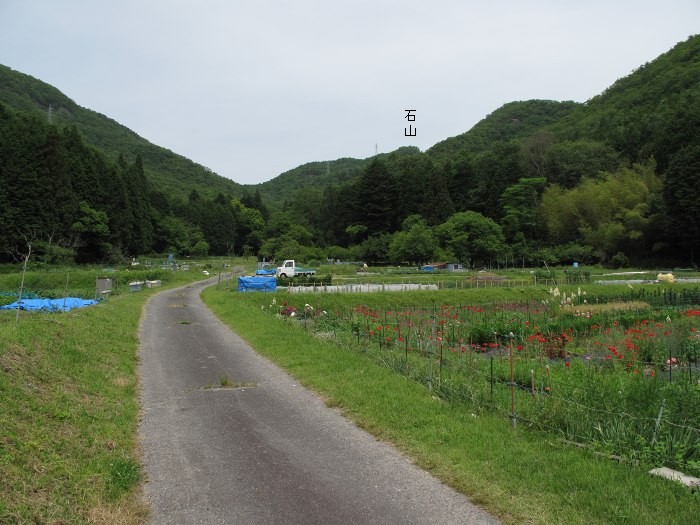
(251, 89)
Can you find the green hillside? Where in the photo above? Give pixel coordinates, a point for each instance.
(611, 180)
(171, 173)
(655, 110)
(512, 121)
(317, 175)
(312, 174)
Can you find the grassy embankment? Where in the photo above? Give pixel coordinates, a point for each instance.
(69, 406)
(519, 476)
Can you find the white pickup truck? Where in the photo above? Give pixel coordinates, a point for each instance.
(290, 269)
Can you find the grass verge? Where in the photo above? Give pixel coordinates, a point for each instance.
(519, 476)
(69, 414)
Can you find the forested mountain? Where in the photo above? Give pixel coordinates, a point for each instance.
(64, 200)
(611, 180)
(171, 173)
(312, 174)
(512, 121)
(614, 180)
(318, 175)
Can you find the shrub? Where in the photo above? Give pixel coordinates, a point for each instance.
(619, 260)
(577, 276)
(543, 276)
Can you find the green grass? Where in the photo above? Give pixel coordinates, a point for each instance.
(69, 412)
(520, 476)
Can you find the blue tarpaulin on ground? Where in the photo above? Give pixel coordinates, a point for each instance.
(263, 271)
(50, 305)
(257, 284)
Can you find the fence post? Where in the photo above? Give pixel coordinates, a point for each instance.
(430, 377)
(492, 379)
(512, 381)
(658, 421)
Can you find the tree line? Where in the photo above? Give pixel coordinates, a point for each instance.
(516, 202)
(74, 204)
(411, 209)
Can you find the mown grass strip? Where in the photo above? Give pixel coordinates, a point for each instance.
(519, 476)
(69, 413)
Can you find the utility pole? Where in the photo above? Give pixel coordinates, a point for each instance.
(50, 113)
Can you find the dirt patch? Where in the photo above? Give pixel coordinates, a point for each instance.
(121, 381)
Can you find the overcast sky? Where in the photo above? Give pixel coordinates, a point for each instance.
(254, 88)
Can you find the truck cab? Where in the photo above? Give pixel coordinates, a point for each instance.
(289, 268)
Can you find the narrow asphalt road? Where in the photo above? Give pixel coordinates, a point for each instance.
(265, 451)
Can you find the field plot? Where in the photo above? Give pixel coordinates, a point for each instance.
(620, 377)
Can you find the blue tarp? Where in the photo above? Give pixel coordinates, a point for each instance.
(50, 305)
(263, 271)
(257, 284)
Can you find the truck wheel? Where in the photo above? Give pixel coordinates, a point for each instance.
(283, 275)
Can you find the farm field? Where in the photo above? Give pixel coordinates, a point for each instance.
(556, 390)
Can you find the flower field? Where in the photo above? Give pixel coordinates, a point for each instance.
(617, 375)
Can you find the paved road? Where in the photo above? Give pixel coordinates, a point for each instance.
(263, 454)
